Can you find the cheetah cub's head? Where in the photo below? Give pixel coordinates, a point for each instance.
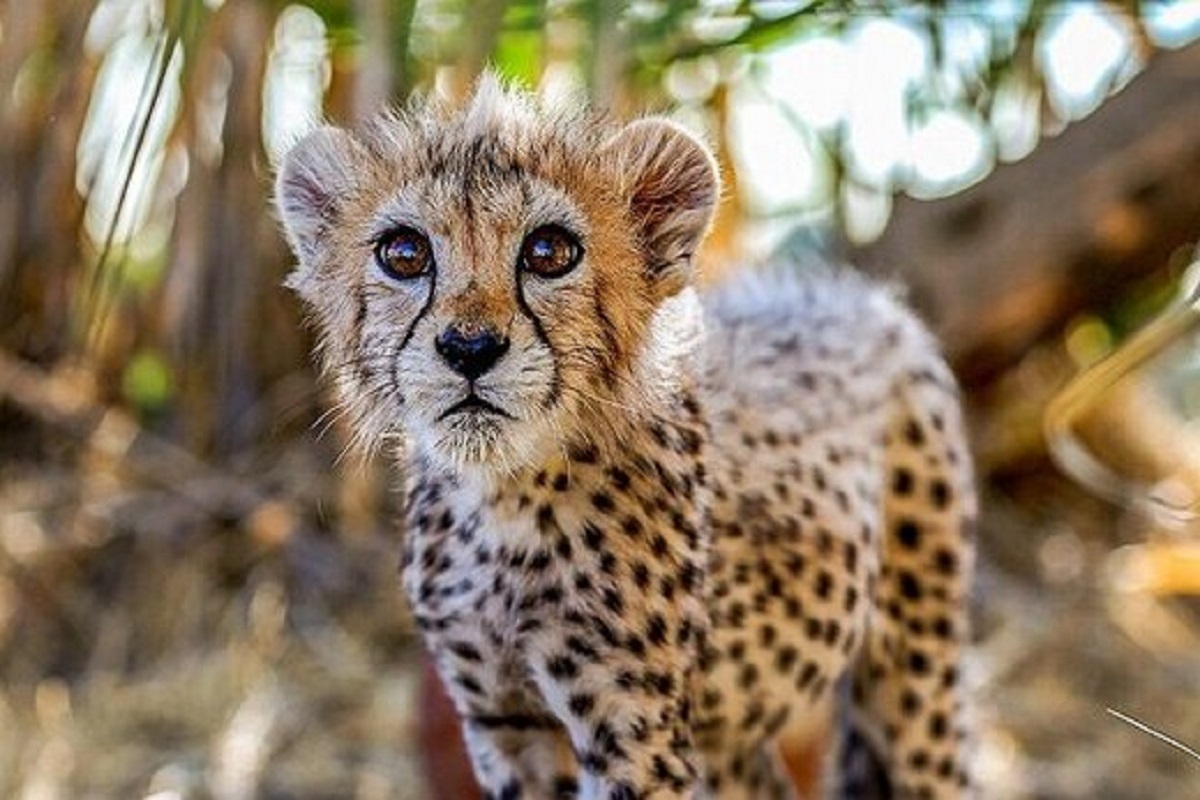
(493, 281)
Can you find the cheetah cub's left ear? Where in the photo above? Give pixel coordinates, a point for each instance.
(671, 183)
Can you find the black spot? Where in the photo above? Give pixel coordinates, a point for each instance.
(786, 657)
(914, 434)
(613, 601)
(766, 635)
(565, 787)
(468, 682)
(562, 666)
(641, 575)
(909, 534)
(582, 648)
(466, 651)
(581, 704)
(597, 765)
(619, 478)
(593, 537)
(563, 548)
(807, 674)
(910, 587)
(792, 608)
(623, 791)
(659, 546)
(656, 629)
(584, 453)
(946, 562)
(939, 493)
(603, 502)
(516, 722)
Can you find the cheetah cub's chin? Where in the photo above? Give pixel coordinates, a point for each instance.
(649, 529)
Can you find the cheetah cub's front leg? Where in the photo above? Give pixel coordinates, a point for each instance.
(647, 531)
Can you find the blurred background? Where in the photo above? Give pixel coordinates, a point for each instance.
(197, 583)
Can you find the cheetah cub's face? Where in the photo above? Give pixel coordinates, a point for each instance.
(486, 280)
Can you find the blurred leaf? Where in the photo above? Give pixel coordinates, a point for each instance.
(147, 381)
(519, 55)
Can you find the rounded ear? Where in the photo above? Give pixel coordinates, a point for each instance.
(672, 184)
(313, 181)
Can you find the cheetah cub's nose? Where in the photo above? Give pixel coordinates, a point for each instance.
(470, 354)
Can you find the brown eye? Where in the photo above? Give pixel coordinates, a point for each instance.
(403, 253)
(550, 251)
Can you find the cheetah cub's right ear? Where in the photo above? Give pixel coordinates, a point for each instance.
(671, 183)
(314, 181)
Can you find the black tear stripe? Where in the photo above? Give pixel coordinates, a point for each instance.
(360, 320)
(411, 328)
(540, 332)
(612, 343)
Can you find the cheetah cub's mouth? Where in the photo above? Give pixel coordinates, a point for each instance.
(474, 405)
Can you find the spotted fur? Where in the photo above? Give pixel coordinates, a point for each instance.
(688, 522)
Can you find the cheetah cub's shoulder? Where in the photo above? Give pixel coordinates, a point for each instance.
(648, 529)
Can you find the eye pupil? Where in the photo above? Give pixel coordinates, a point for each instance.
(551, 251)
(403, 253)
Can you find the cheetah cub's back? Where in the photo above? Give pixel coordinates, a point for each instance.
(648, 530)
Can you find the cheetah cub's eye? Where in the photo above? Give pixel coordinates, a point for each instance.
(550, 251)
(403, 253)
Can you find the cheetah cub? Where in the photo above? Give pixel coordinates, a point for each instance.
(649, 528)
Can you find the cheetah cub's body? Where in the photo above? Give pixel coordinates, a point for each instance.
(647, 530)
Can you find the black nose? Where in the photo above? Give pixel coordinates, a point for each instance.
(473, 355)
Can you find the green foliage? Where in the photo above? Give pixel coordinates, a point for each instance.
(146, 382)
(519, 55)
